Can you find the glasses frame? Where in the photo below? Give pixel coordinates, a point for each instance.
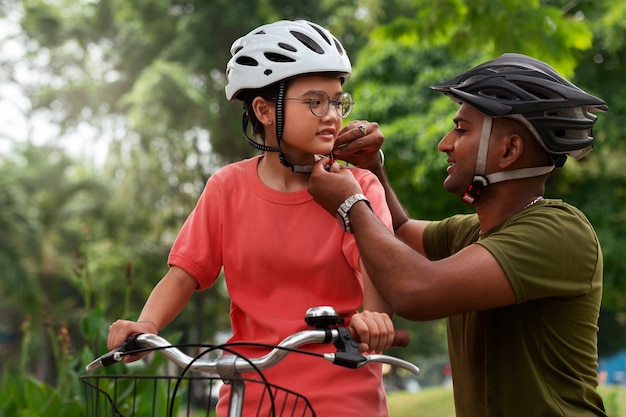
(337, 103)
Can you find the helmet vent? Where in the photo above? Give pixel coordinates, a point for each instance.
(498, 94)
(287, 47)
(339, 47)
(474, 79)
(322, 34)
(247, 61)
(538, 92)
(274, 57)
(505, 69)
(308, 42)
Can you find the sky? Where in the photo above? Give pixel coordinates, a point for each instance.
(13, 125)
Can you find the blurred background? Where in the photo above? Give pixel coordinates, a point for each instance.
(113, 116)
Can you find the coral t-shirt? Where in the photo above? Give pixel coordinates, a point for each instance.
(281, 254)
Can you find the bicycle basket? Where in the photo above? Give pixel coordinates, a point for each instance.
(177, 396)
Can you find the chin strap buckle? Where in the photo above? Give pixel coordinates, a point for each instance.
(474, 190)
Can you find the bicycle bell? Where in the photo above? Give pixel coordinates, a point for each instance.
(322, 317)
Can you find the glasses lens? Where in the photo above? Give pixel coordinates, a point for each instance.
(320, 102)
(344, 104)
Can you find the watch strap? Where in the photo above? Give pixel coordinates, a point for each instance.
(343, 211)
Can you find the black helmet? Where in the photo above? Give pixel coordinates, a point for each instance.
(556, 111)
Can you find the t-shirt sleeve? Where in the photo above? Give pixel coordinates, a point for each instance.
(375, 193)
(551, 251)
(197, 248)
(446, 237)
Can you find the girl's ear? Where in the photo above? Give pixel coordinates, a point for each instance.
(263, 110)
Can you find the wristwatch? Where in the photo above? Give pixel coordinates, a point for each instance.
(343, 212)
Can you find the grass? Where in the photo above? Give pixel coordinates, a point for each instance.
(431, 402)
(438, 402)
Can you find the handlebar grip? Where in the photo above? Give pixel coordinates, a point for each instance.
(116, 355)
(400, 338)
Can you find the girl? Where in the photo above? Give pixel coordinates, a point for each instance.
(281, 253)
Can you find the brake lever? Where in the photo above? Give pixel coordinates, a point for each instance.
(348, 354)
(116, 354)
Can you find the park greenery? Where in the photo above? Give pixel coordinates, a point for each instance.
(132, 92)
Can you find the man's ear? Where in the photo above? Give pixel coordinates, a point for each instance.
(263, 110)
(510, 148)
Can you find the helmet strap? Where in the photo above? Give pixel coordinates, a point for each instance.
(245, 120)
(481, 180)
(519, 173)
(280, 123)
(280, 120)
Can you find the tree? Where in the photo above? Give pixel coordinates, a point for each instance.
(428, 44)
(149, 76)
(45, 199)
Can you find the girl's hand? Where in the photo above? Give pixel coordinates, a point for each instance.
(121, 330)
(373, 330)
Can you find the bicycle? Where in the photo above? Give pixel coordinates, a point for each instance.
(118, 395)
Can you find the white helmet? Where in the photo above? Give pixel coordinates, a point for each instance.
(281, 50)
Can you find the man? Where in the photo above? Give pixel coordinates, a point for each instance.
(520, 281)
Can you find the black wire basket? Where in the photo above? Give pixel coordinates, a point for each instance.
(179, 396)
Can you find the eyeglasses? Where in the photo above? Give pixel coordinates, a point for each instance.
(320, 102)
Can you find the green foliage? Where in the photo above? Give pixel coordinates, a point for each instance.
(158, 62)
(81, 246)
(392, 86)
(43, 193)
(31, 397)
(24, 394)
(550, 32)
(402, 59)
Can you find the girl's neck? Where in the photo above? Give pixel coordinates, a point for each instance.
(279, 177)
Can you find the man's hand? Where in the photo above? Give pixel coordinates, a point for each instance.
(358, 148)
(331, 188)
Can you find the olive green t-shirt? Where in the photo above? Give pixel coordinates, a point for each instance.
(539, 356)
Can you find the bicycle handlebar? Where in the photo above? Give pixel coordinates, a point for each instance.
(347, 354)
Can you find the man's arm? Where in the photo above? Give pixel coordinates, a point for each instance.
(415, 287)
(409, 231)
(364, 151)
(420, 289)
